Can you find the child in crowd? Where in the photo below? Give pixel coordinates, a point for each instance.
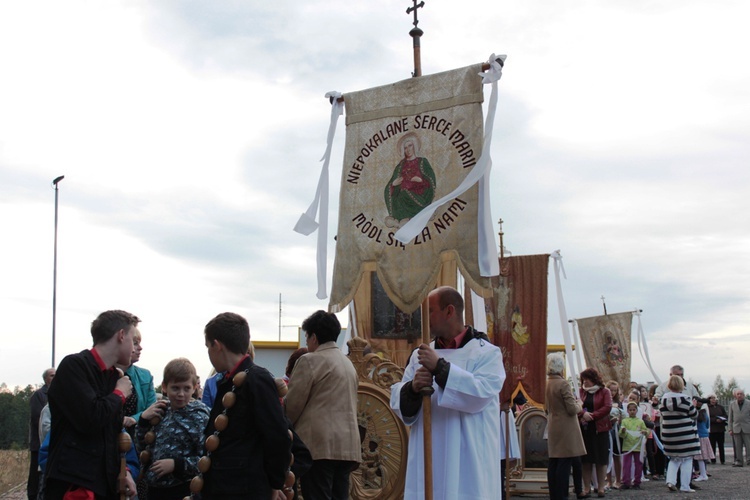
(645, 413)
(632, 432)
(177, 438)
(615, 415)
(635, 397)
(707, 452)
(660, 461)
(651, 417)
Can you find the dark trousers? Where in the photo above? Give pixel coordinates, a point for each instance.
(558, 477)
(717, 439)
(660, 460)
(32, 486)
(503, 473)
(54, 489)
(651, 456)
(577, 475)
(174, 493)
(327, 480)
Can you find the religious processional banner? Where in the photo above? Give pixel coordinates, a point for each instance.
(517, 323)
(605, 341)
(407, 144)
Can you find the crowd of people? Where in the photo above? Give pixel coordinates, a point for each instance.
(103, 432)
(664, 432)
(109, 434)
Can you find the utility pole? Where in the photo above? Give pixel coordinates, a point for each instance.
(55, 182)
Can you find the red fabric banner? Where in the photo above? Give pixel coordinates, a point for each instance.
(517, 323)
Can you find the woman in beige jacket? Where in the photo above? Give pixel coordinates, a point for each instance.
(322, 405)
(564, 439)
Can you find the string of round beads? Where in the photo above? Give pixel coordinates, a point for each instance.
(149, 438)
(124, 442)
(221, 422)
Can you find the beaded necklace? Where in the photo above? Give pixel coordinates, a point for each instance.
(212, 442)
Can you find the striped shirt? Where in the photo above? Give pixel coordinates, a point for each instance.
(678, 426)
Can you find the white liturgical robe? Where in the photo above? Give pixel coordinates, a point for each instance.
(466, 441)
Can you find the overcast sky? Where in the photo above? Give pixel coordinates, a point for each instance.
(189, 134)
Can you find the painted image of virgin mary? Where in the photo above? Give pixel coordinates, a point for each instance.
(412, 185)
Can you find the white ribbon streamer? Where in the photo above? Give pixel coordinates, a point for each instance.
(307, 224)
(557, 257)
(639, 446)
(480, 315)
(577, 335)
(657, 442)
(643, 349)
(487, 252)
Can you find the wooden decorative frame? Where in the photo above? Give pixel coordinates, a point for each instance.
(382, 473)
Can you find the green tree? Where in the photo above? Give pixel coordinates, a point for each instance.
(719, 386)
(722, 391)
(14, 418)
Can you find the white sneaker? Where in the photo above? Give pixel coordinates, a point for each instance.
(701, 478)
(689, 490)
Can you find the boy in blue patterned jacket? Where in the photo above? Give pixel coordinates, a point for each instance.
(176, 444)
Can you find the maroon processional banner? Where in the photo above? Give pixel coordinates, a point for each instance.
(517, 323)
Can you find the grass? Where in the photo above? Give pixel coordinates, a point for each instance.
(14, 468)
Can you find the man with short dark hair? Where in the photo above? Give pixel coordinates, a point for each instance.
(466, 371)
(253, 452)
(86, 400)
(322, 405)
(37, 402)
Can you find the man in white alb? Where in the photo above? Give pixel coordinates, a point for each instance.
(467, 373)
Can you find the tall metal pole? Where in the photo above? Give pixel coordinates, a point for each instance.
(54, 274)
(279, 317)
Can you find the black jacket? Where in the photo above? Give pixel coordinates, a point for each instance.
(717, 424)
(253, 454)
(37, 403)
(86, 423)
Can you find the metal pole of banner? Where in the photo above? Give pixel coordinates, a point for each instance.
(416, 35)
(55, 182)
(427, 408)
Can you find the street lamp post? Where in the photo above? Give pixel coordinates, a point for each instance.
(54, 274)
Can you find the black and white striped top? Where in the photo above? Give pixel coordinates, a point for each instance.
(678, 431)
